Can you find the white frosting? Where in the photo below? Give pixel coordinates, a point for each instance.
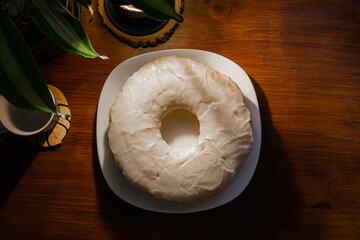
(224, 142)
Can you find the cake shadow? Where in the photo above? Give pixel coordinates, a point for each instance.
(16, 157)
(266, 207)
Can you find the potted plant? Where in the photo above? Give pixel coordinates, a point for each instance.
(21, 81)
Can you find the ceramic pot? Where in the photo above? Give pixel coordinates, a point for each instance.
(25, 123)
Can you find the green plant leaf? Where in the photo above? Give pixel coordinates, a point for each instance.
(159, 9)
(54, 20)
(21, 81)
(89, 6)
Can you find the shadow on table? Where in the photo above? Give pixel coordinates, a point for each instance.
(16, 155)
(266, 209)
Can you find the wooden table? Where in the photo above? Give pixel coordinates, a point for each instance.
(304, 60)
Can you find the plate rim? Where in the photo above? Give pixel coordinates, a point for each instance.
(182, 52)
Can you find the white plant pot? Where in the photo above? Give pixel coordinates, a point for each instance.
(25, 123)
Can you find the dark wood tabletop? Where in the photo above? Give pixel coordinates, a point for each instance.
(303, 58)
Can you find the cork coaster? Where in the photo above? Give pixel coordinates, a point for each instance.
(55, 136)
(134, 30)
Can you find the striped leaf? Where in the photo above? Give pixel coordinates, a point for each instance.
(54, 20)
(21, 81)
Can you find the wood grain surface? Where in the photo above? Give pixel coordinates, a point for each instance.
(303, 57)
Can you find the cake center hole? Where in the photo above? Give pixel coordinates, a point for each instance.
(180, 128)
